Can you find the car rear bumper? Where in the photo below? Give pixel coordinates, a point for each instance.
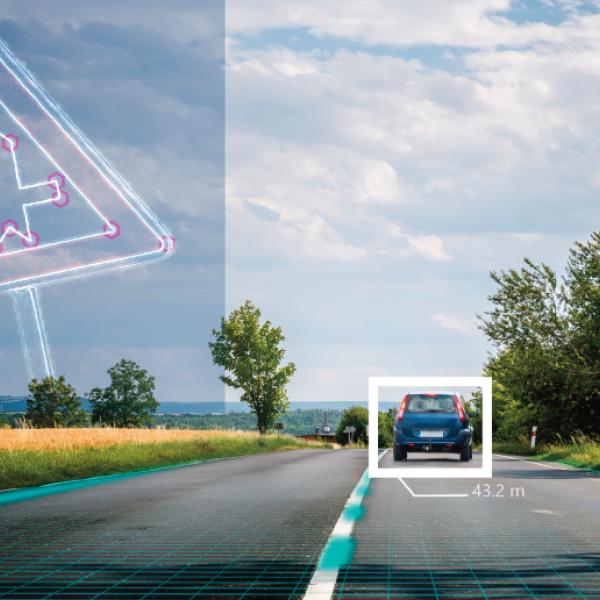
(418, 444)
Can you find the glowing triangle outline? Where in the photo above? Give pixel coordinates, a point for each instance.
(164, 242)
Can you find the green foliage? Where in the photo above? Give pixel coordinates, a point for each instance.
(251, 355)
(386, 428)
(546, 333)
(9, 420)
(474, 408)
(295, 422)
(357, 417)
(128, 401)
(578, 451)
(53, 402)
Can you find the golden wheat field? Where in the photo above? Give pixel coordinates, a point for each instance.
(65, 439)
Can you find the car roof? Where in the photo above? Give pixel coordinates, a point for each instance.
(442, 393)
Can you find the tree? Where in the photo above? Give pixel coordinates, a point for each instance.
(474, 408)
(385, 428)
(357, 417)
(129, 399)
(53, 402)
(546, 333)
(251, 355)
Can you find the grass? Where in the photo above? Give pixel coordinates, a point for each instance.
(578, 451)
(31, 457)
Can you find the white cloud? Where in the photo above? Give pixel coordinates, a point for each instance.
(509, 134)
(465, 23)
(428, 246)
(185, 21)
(427, 171)
(378, 183)
(464, 326)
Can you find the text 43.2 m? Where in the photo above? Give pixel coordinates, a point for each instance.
(497, 490)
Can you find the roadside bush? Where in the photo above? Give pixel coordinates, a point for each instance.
(357, 417)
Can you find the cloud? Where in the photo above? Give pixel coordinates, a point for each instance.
(463, 326)
(502, 140)
(378, 183)
(462, 23)
(428, 246)
(186, 21)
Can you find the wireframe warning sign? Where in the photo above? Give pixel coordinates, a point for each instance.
(64, 211)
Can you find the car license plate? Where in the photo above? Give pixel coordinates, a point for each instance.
(432, 434)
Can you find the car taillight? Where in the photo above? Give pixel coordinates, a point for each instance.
(460, 409)
(402, 408)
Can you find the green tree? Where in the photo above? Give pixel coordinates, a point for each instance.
(357, 417)
(546, 334)
(53, 402)
(474, 408)
(251, 355)
(128, 401)
(385, 428)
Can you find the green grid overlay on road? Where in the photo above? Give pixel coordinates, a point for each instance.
(210, 532)
(245, 528)
(178, 563)
(468, 548)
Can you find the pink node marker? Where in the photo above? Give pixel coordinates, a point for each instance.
(112, 230)
(167, 244)
(10, 142)
(33, 241)
(62, 200)
(9, 227)
(56, 178)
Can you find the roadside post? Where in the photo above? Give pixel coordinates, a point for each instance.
(279, 427)
(533, 436)
(350, 432)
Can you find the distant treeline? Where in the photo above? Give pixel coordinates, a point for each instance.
(18, 404)
(295, 422)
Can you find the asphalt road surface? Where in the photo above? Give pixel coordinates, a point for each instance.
(534, 533)
(254, 528)
(430, 460)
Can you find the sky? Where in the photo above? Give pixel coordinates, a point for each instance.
(384, 156)
(147, 88)
(380, 161)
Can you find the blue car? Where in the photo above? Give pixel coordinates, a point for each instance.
(432, 423)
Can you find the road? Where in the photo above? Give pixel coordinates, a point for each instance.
(251, 527)
(536, 536)
(254, 528)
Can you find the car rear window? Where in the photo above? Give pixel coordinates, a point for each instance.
(424, 403)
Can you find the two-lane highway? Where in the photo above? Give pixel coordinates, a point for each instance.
(255, 527)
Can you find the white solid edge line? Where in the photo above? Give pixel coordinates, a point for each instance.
(533, 462)
(430, 495)
(555, 466)
(322, 583)
(506, 456)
